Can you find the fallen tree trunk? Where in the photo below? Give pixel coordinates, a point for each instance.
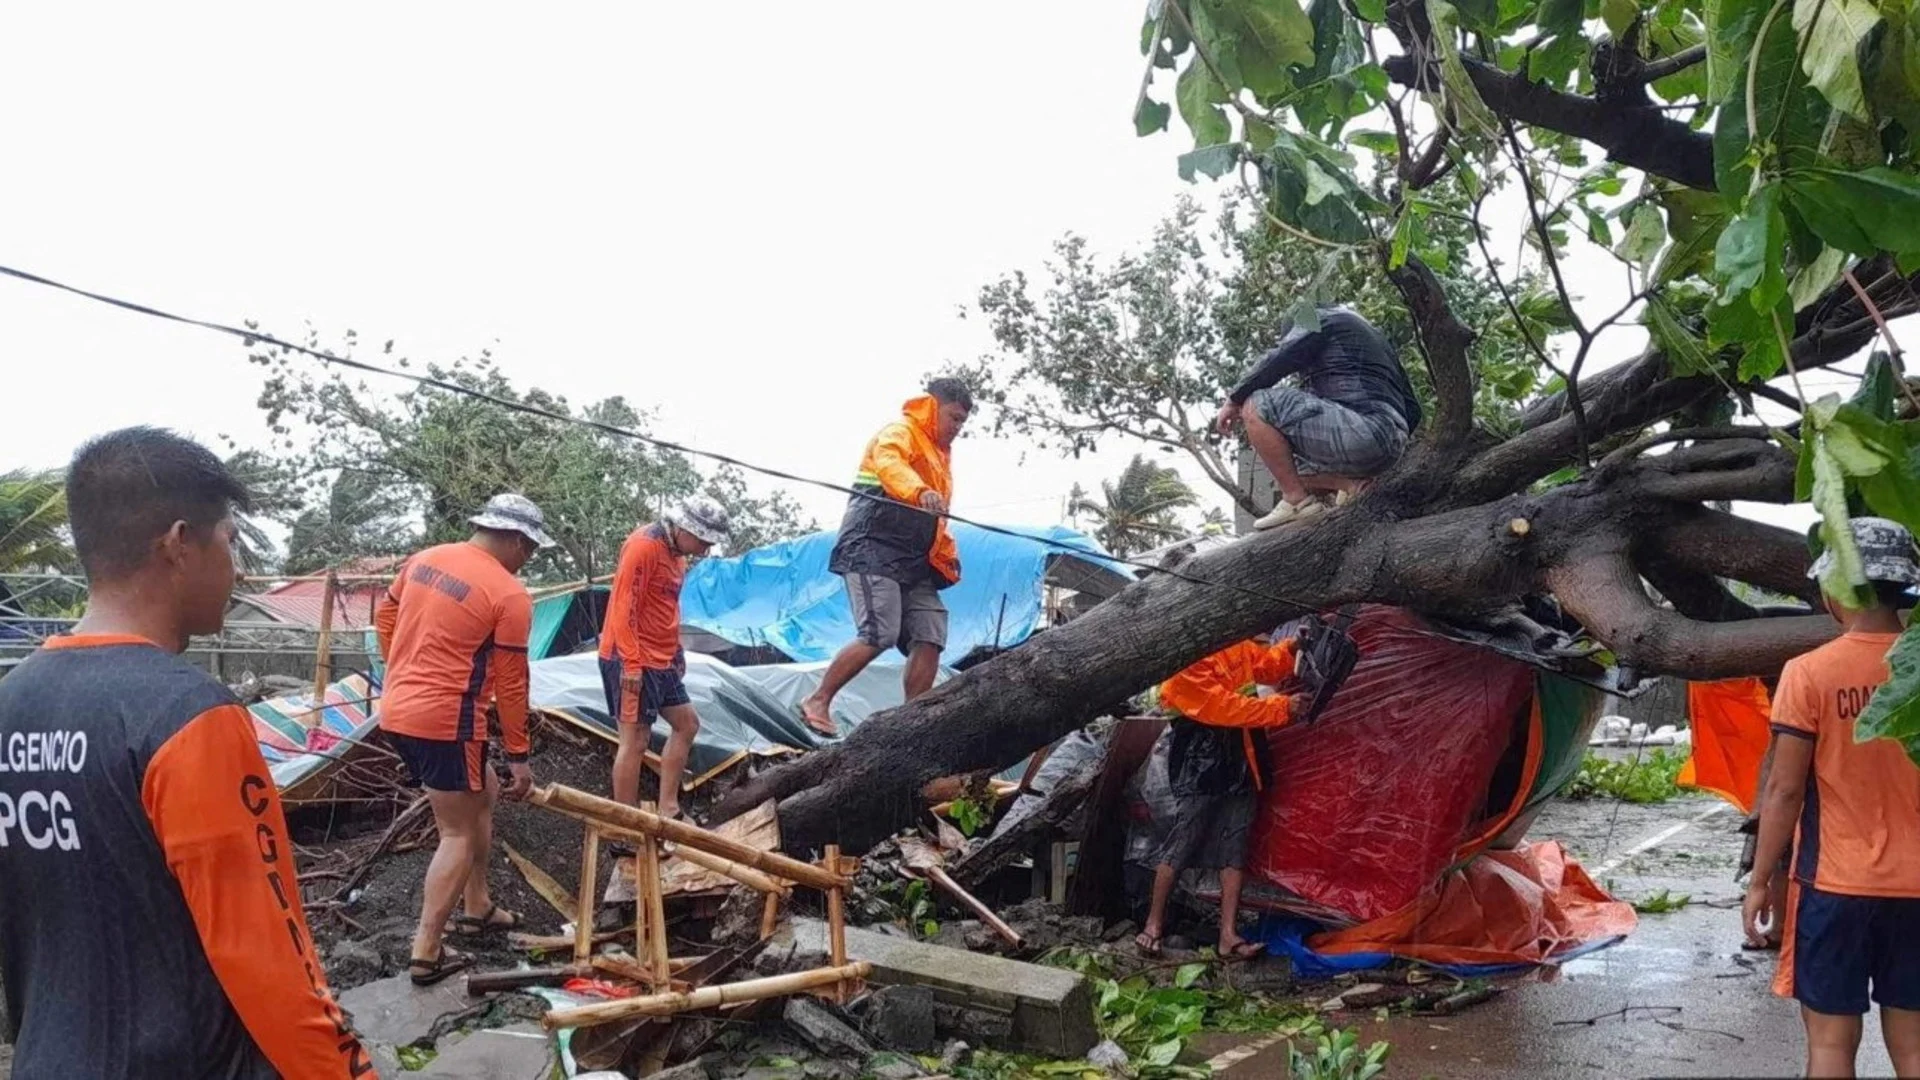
(1577, 540)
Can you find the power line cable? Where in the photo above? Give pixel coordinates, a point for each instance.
(251, 336)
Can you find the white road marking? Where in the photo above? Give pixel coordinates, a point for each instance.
(1227, 1059)
(1657, 839)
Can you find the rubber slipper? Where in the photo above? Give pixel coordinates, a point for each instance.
(1148, 944)
(490, 923)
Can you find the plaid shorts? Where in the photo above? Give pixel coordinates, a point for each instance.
(1328, 437)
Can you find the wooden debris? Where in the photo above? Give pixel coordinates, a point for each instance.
(488, 982)
(587, 902)
(542, 882)
(921, 859)
(1017, 840)
(706, 997)
(606, 811)
(547, 942)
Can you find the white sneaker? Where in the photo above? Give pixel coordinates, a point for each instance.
(1285, 512)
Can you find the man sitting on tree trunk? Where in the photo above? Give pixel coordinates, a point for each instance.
(894, 550)
(1216, 774)
(1349, 423)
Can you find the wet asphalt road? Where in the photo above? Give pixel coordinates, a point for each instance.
(1678, 998)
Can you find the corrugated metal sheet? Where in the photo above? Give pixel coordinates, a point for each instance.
(299, 602)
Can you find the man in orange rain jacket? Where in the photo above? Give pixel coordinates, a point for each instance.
(894, 550)
(1217, 764)
(150, 920)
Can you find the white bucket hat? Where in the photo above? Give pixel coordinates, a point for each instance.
(1886, 551)
(515, 513)
(703, 518)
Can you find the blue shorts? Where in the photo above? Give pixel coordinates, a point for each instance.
(1843, 944)
(442, 764)
(658, 688)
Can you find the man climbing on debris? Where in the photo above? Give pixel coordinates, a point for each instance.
(1348, 423)
(453, 627)
(1217, 765)
(150, 916)
(1852, 921)
(642, 666)
(894, 550)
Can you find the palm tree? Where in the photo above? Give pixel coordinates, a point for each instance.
(1137, 511)
(33, 522)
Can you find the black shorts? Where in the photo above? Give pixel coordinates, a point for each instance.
(1842, 945)
(443, 764)
(658, 688)
(1208, 832)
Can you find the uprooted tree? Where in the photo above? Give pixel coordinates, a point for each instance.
(1756, 160)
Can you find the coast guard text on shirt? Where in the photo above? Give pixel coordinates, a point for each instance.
(43, 819)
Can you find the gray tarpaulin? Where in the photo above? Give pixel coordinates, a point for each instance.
(754, 710)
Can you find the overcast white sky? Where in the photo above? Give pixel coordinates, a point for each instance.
(758, 218)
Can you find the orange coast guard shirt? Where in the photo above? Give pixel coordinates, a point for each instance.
(453, 628)
(150, 919)
(642, 627)
(1860, 827)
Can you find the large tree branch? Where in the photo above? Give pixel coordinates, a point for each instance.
(1445, 341)
(1645, 138)
(1697, 540)
(1603, 592)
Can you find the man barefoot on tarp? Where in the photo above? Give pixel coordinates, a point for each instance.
(894, 550)
(453, 627)
(642, 666)
(1349, 422)
(150, 915)
(1217, 765)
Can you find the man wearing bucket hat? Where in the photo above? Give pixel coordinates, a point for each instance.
(1852, 917)
(453, 628)
(641, 662)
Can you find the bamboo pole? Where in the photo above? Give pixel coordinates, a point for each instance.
(836, 911)
(583, 913)
(706, 997)
(322, 655)
(745, 875)
(607, 811)
(647, 870)
(973, 904)
(770, 916)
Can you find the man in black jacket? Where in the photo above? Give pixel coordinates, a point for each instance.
(1349, 421)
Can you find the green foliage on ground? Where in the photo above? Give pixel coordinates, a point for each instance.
(1662, 902)
(1646, 778)
(1336, 1055)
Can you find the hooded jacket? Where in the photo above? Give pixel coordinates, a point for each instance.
(1215, 694)
(884, 531)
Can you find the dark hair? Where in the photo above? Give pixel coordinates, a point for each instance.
(951, 391)
(127, 487)
(1893, 595)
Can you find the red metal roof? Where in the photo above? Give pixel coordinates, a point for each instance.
(299, 602)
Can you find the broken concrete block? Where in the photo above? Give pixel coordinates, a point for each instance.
(824, 1031)
(353, 963)
(519, 1052)
(901, 1018)
(1051, 1009)
(894, 1067)
(987, 1027)
(396, 1012)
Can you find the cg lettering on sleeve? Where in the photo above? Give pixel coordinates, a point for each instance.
(44, 751)
(44, 820)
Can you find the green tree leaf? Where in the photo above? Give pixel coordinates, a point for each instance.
(1373, 11)
(1198, 94)
(1862, 212)
(1460, 91)
(1750, 256)
(1619, 16)
(1188, 974)
(1836, 33)
(1213, 161)
(1847, 575)
(1150, 116)
(1791, 117)
(1694, 221)
(1730, 29)
(1814, 279)
(1255, 41)
(1164, 1053)
(1646, 234)
(1686, 353)
(1894, 710)
(1380, 142)
(1560, 16)
(1259, 133)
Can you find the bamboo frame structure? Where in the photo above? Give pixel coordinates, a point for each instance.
(769, 872)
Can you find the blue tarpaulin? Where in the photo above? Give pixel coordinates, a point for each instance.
(782, 595)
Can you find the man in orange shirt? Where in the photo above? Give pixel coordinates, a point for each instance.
(150, 916)
(453, 627)
(642, 665)
(1853, 908)
(1217, 765)
(893, 549)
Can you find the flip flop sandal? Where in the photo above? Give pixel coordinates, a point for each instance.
(1246, 950)
(480, 925)
(1148, 944)
(429, 972)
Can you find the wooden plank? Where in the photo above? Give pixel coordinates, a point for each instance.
(556, 896)
(1102, 853)
(561, 797)
(589, 895)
